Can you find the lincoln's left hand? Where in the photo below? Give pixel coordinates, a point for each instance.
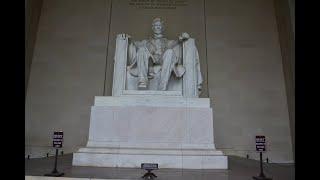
(184, 36)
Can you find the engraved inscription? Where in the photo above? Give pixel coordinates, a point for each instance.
(157, 4)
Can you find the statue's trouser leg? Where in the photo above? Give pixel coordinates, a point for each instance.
(142, 64)
(167, 67)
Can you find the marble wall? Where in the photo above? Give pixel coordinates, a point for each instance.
(32, 16)
(286, 24)
(240, 59)
(246, 81)
(68, 70)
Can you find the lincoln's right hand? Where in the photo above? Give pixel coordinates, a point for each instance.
(124, 36)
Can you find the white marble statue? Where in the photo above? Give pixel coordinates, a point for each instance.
(155, 114)
(158, 57)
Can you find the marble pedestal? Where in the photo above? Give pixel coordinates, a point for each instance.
(174, 132)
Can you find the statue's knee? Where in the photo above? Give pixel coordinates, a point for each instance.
(169, 55)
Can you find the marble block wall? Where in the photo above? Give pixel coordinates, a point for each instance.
(67, 72)
(246, 80)
(240, 59)
(286, 28)
(32, 16)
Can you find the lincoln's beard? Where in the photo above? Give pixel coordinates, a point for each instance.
(158, 34)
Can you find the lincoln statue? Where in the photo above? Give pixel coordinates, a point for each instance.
(157, 64)
(156, 55)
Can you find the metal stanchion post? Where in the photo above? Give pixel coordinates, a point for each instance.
(261, 175)
(55, 172)
(57, 143)
(55, 162)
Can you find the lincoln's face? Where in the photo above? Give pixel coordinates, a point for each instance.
(157, 27)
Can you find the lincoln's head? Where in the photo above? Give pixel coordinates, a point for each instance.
(157, 26)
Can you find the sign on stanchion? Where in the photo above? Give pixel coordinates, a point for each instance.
(57, 143)
(261, 147)
(149, 167)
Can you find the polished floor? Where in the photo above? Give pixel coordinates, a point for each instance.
(239, 169)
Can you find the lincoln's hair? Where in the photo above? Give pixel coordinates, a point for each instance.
(157, 20)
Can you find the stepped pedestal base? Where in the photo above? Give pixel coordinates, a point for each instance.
(174, 132)
(132, 158)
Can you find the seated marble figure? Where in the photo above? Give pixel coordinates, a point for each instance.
(158, 63)
(155, 113)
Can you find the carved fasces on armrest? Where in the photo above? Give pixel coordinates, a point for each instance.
(120, 63)
(192, 78)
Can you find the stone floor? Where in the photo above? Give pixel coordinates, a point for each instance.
(239, 169)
